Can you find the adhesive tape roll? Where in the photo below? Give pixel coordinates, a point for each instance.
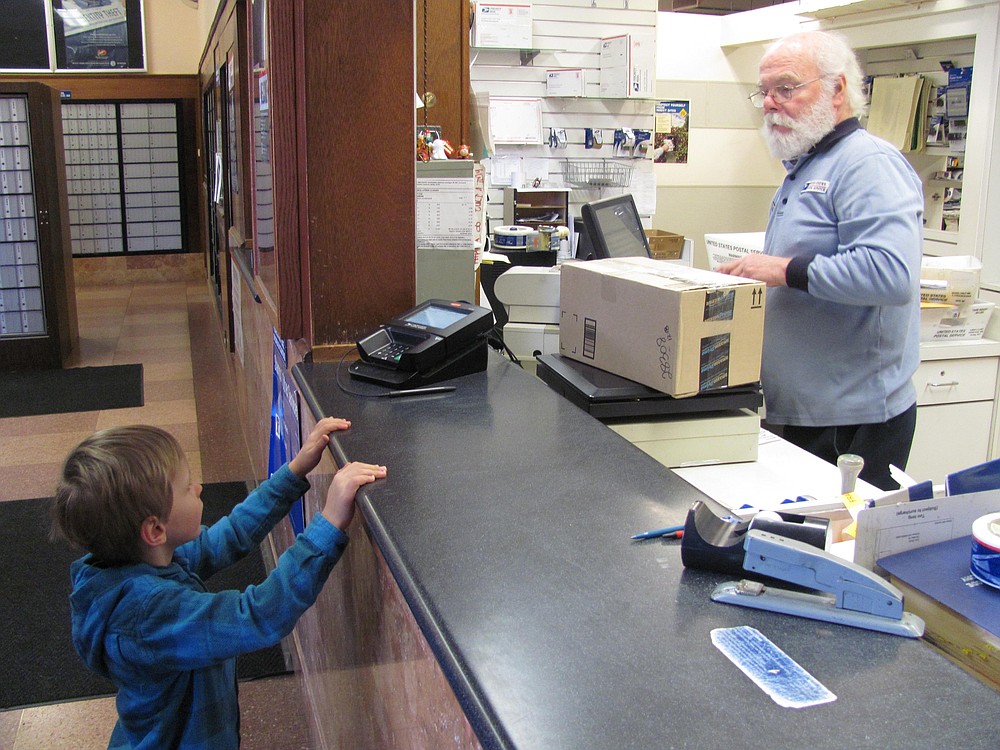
(512, 236)
(985, 563)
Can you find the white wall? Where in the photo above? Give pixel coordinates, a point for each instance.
(730, 177)
(176, 31)
(567, 34)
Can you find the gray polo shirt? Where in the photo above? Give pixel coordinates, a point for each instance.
(841, 343)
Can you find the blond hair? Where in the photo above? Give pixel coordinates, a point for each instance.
(112, 482)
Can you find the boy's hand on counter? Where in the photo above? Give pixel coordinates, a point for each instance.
(312, 448)
(339, 507)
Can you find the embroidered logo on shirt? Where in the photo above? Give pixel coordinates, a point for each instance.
(816, 186)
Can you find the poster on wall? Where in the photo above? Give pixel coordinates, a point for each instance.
(670, 135)
(98, 34)
(23, 36)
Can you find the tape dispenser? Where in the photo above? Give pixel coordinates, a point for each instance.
(714, 537)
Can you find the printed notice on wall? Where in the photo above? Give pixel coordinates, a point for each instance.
(446, 213)
(670, 138)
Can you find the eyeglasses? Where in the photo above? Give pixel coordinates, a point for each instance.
(780, 94)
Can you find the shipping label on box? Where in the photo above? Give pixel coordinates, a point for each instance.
(677, 329)
(502, 25)
(723, 248)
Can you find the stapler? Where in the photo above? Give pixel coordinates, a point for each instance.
(856, 596)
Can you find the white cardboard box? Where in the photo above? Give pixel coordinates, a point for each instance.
(725, 247)
(954, 322)
(628, 66)
(952, 280)
(502, 25)
(677, 329)
(565, 82)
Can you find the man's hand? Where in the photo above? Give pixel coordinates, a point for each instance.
(767, 268)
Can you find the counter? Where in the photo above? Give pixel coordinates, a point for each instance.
(505, 522)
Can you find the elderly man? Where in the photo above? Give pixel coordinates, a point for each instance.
(842, 257)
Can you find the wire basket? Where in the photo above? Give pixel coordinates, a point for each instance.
(598, 173)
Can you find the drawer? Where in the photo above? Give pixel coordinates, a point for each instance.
(950, 381)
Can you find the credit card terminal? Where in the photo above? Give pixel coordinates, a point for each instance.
(426, 335)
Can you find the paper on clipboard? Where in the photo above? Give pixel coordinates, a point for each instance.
(897, 527)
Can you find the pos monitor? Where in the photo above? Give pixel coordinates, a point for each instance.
(614, 228)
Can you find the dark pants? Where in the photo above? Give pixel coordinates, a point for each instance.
(878, 444)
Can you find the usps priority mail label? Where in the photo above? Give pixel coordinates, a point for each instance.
(772, 670)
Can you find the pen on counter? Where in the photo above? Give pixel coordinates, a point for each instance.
(674, 531)
(420, 391)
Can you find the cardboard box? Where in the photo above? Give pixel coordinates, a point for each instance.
(665, 245)
(502, 25)
(628, 66)
(951, 280)
(723, 248)
(939, 322)
(677, 329)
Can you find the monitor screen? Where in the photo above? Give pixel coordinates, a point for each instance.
(436, 316)
(614, 228)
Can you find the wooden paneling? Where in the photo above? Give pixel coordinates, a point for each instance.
(285, 283)
(371, 675)
(442, 58)
(359, 206)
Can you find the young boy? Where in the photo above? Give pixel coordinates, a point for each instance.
(141, 614)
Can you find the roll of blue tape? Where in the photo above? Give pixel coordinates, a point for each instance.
(512, 236)
(985, 564)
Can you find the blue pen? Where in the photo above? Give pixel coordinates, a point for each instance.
(658, 532)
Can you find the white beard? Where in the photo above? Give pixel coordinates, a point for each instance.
(806, 130)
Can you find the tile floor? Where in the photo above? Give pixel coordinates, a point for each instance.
(172, 329)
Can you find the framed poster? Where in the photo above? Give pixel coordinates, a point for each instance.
(23, 38)
(98, 35)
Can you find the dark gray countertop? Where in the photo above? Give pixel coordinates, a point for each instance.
(506, 518)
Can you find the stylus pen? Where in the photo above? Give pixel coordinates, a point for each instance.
(658, 532)
(421, 391)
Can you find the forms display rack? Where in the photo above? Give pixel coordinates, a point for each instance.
(38, 327)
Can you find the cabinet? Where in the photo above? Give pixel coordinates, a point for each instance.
(38, 327)
(940, 157)
(535, 207)
(123, 177)
(956, 385)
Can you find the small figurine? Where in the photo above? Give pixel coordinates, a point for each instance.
(440, 149)
(462, 152)
(424, 139)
